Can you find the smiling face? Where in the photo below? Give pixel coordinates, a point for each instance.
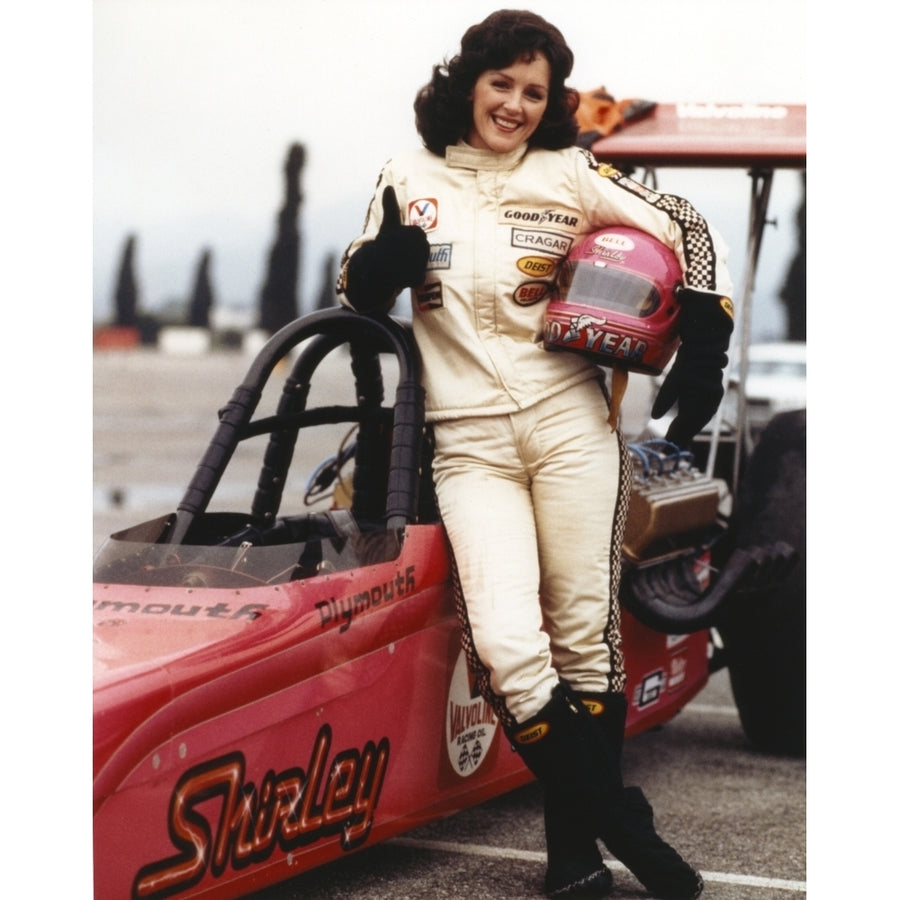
(508, 104)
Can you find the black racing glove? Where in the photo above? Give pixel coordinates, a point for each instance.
(395, 259)
(695, 379)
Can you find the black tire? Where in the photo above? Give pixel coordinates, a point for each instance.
(764, 632)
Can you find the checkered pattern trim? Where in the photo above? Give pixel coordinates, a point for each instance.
(614, 626)
(698, 243)
(699, 250)
(477, 668)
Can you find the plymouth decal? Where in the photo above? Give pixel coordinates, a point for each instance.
(341, 612)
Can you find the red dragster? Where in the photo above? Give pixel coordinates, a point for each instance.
(273, 690)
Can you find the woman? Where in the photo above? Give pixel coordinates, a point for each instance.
(532, 484)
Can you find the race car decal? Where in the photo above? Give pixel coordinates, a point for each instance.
(650, 689)
(341, 611)
(218, 820)
(659, 682)
(471, 723)
(678, 668)
(220, 610)
(702, 568)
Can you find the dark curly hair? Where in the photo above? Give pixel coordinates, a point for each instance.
(443, 107)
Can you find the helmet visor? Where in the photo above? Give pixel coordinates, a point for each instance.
(608, 289)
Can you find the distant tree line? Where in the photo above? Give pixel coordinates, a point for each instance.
(793, 292)
(278, 301)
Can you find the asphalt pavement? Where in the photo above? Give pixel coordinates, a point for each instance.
(738, 815)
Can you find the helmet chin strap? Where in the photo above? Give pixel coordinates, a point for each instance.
(617, 392)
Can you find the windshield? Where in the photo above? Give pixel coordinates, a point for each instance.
(611, 289)
(235, 556)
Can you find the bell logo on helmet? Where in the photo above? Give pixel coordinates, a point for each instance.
(614, 240)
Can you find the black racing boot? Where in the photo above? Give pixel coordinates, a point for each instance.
(635, 843)
(632, 838)
(609, 710)
(551, 748)
(575, 867)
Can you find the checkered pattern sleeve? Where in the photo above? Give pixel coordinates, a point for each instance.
(610, 197)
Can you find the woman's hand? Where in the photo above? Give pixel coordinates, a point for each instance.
(395, 259)
(695, 379)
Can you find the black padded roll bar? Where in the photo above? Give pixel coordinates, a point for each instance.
(339, 325)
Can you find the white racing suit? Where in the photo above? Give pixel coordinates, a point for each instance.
(532, 486)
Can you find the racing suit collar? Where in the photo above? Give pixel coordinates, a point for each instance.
(464, 156)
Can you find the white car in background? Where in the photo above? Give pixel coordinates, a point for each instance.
(776, 381)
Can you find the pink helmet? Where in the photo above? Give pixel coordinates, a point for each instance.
(616, 301)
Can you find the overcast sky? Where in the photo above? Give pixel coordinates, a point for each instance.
(195, 103)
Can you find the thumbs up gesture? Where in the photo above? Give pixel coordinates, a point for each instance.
(395, 259)
(403, 248)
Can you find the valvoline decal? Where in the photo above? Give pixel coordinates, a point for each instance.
(470, 725)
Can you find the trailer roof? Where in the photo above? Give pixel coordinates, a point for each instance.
(703, 135)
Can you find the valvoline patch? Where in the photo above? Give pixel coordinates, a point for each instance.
(424, 213)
